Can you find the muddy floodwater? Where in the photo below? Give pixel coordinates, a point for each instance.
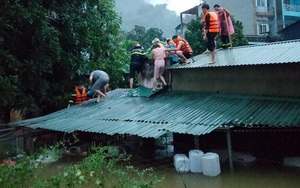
(261, 174)
(258, 175)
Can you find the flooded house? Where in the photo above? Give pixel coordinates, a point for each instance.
(246, 103)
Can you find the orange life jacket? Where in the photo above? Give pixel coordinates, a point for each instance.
(213, 22)
(185, 47)
(170, 42)
(80, 96)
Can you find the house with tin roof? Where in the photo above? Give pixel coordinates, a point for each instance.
(251, 90)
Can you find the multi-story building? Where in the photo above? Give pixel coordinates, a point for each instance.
(288, 11)
(260, 18)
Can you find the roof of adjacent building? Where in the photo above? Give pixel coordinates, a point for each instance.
(289, 26)
(270, 53)
(173, 111)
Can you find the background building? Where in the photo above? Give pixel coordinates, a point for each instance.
(262, 19)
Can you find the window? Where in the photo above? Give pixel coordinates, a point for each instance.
(261, 3)
(262, 29)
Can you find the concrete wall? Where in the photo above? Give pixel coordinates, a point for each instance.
(274, 80)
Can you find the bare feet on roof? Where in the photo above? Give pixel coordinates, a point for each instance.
(185, 63)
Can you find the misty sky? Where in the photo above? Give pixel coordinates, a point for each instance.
(176, 5)
(153, 13)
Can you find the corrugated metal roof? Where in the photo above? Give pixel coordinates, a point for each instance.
(271, 53)
(180, 112)
(143, 91)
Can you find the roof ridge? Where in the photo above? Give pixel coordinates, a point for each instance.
(268, 44)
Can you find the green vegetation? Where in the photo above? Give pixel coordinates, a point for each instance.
(194, 35)
(46, 47)
(102, 168)
(143, 36)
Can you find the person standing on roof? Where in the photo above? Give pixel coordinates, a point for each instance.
(157, 41)
(138, 59)
(210, 30)
(158, 54)
(226, 29)
(182, 48)
(100, 86)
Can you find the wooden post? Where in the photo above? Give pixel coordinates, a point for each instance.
(229, 149)
(226, 21)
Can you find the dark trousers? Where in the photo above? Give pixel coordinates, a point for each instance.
(225, 40)
(211, 45)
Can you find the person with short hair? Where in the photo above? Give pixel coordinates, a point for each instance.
(100, 86)
(226, 29)
(138, 59)
(182, 48)
(210, 30)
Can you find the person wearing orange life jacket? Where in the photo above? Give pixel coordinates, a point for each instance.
(173, 57)
(182, 48)
(210, 30)
(79, 95)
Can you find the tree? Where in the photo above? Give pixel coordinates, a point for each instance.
(144, 37)
(47, 46)
(194, 35)
(238, 39)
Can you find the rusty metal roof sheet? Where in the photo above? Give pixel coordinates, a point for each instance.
(271, 53)
(174, 111)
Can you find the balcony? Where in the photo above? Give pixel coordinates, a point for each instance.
(292, 8)
(265, 11)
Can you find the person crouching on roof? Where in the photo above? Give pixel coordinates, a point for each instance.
(138, 59)
(100, 86)
(182, 48)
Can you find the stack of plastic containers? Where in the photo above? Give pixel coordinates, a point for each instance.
(198, 162)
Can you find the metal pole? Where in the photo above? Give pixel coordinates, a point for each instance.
(229, 149)
(181, 25)
(196, 140)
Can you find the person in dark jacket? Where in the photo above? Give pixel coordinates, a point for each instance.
(138, 59)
